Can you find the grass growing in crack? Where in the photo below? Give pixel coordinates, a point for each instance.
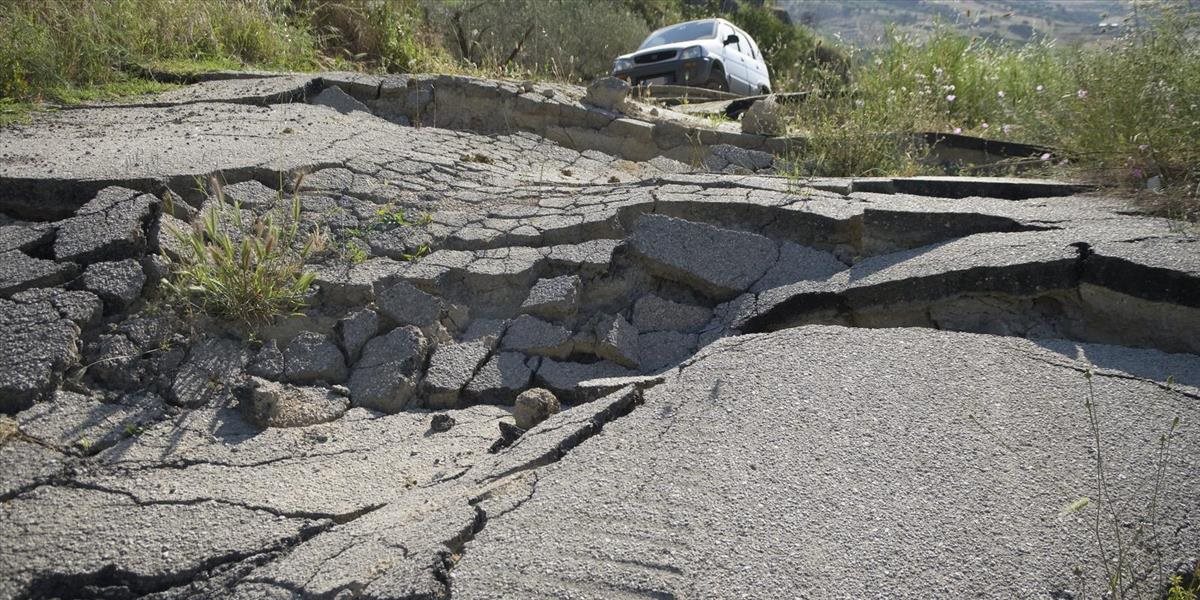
(476, 157)
(1185, 590)
(386, 218)
(1126, 560)
(244, 272)
(353, 252)
(422, 250)
(8, 428)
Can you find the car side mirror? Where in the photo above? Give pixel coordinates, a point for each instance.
(732, 39)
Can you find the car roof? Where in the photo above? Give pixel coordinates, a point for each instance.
(708, 20)
(717, 20)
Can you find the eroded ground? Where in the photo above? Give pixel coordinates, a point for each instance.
(772, 387)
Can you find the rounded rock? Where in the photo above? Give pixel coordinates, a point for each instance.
(534, 406)
(442, 422)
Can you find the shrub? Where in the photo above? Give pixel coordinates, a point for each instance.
(1135, 109)
(244, 272)
(659, 13)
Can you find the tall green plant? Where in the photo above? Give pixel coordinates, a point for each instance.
(243, 272)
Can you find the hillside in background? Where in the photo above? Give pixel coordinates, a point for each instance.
(863, 22)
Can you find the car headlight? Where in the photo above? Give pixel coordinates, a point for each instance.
(692, 52)
(622, 64)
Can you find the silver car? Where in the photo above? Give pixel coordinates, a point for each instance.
(710, 53)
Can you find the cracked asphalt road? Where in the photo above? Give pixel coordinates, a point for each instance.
(772, 388)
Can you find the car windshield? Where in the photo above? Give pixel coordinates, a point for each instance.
(683, 32)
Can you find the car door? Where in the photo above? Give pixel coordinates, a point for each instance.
(756, 69)
(735, 60)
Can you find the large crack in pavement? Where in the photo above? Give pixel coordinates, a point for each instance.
(499, 482)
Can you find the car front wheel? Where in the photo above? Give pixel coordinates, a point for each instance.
(717, 79)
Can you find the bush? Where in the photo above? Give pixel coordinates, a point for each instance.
(847, 136)
(1134, 111)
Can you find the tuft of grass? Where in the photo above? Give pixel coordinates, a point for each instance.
(8, 428)
(422, 250)
(241, 272)
(353, 252)
(185, 68)
(386, 218)
(13, 111)
(848, 137)
(476, 157)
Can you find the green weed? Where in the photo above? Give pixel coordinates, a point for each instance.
(388, 36)
(389, 217)
(1183, 590)
(353, 249)
(113, 90)
(1132, 560)
(421, 250)
(245, 272)
(354, 253)
(12, 111)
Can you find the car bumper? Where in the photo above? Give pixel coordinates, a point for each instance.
(693, 71)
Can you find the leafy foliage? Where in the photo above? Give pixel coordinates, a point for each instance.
(1184, 590)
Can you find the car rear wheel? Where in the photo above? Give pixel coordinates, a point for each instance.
(717, 79)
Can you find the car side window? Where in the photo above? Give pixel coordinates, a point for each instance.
(725, 31)
(747, 46)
